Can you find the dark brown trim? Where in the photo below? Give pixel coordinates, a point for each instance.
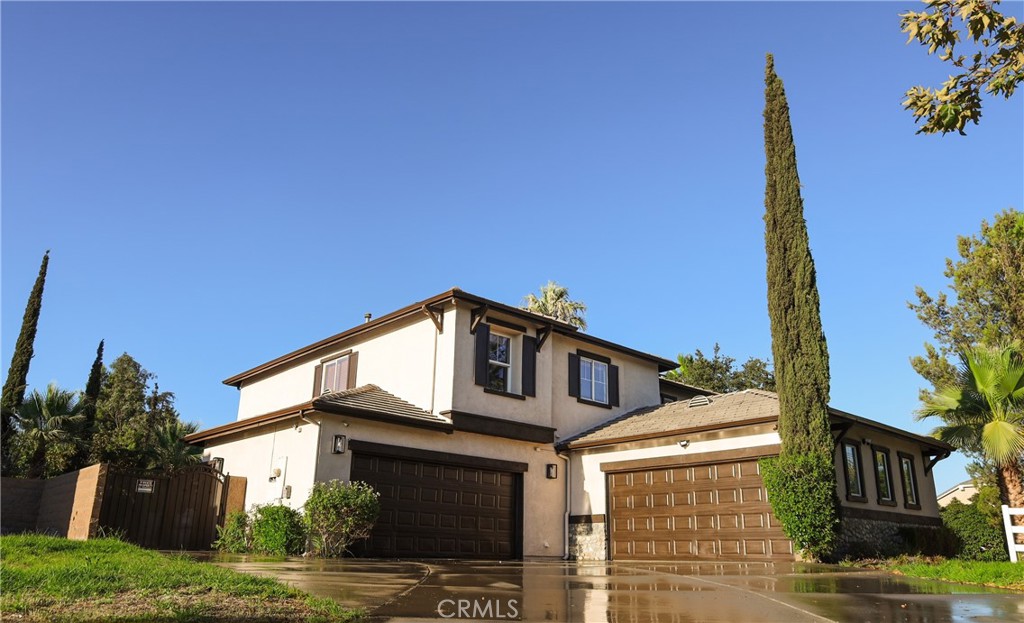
(669, 433)
(476, 316)
(593, 403)
(496, 427)
(249, 423)
(854, 512)
(542, 336)
(436, 315)
(930, 458)
(928, 441)
(594, 356)
(337, 356)
(430, 456)
(913, 481)
(863, 497)
(498, 392)
(377, 416)
(888, 472)
(504, 323)
(586, 519)
(696, 458)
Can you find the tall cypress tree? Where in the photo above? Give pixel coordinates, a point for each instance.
(801, 483)
(17, 375)
(89, 400)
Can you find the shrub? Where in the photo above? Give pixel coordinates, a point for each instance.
(338, 514)
(977, 538)
(235, 537)
(801, 490)
(277, 531)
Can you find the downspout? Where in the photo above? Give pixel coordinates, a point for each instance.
(319, 441)
(565, 516)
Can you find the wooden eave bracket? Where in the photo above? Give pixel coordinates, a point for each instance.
(542, 335)
(931, 457)
(476, 316)
(436, 315)
(842, 428)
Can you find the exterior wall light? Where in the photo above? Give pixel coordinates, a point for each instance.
(552, 470)
(340, 444)
(684, 443)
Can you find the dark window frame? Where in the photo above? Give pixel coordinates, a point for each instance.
(916, 505)
(863, 497)
(875, 450)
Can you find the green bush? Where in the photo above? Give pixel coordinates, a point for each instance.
(977, 538)
(802, 493)
(338, 514)
(235, 537)
(277, 531)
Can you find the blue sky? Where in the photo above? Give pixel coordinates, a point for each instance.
(222, 183)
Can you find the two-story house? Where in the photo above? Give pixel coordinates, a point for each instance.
(494, 432)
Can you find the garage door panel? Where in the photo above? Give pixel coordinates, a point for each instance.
(717, 510)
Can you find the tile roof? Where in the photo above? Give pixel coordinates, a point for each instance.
(750, 404)
(372, 399)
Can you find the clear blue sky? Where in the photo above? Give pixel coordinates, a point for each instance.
(222, 183)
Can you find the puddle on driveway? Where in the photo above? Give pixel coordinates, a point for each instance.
(545, 590)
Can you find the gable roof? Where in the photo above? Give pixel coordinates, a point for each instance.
(750, 406)
(422, 307)
(373, 402)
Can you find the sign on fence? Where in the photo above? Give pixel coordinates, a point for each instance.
(1012, 530)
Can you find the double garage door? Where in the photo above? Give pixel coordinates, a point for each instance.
(437, 509)
(715, 510)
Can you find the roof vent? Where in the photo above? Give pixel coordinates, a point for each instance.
(699, 401)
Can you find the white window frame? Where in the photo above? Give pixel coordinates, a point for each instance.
(590, 385)
(507, 365)
(330, 367)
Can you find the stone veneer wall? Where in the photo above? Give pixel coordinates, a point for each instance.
(587, 538)
(889, 534)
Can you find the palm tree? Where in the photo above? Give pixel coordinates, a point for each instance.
(47, 420)
(554, 301)
(169, 450)
(985, 409)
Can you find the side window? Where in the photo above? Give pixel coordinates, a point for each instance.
(853, 472)
(499, 363)
(506, 362)
(883, 476)
(593, 379)
(335, 374)
(909, 479)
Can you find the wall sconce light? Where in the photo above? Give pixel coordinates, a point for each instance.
(340, 444)
(217, 463)
(684, 443)
(552, 471)
(287, 492)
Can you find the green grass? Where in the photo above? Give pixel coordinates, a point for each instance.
(49, 578)
(1003, 574)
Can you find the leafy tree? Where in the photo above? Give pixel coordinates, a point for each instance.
(554, 301)
(17, 375)
(46, 420)
(169, 451)
(995, 62)
(985, 408)
(89, 399)
(801, 482)
(720, 374)
(988, 303)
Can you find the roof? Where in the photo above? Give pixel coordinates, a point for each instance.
(963, 486)
(449, 296)
(724, 410)
(691, 388)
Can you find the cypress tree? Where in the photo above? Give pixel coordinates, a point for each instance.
(17, 375)
(801, 482)
(798, 343)
(89, 400)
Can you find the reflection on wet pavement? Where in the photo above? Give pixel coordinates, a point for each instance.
(545, 590)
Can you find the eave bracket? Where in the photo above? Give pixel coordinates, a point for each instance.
(436, 315)
(476, 316)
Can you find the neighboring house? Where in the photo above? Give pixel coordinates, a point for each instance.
(491, 432)
(962, 493)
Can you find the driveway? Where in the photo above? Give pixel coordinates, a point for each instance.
(593, 592)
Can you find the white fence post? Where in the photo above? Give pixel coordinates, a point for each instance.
(1011, 530)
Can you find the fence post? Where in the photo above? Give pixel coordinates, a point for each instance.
(1011, 530)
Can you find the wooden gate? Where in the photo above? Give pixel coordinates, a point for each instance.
(177, 511)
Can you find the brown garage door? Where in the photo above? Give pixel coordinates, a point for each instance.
(436, 510)
(716, 510)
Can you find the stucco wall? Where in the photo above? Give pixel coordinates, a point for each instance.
(66, 505)
(20, 498)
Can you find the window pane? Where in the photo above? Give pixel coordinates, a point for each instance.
(497, 377)
(499, 348)
(909, 485)
(341, 379)
(586, 379)
(600, 392)
(329, 376)
(882, 470)
(600, 372)
(852, 471)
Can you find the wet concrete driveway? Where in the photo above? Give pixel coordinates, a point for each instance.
(634, 592)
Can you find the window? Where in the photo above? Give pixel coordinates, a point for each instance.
(883, 476)
(853, 472)
(335, 375)
(593, 380)
(499, 363)
(909, 479)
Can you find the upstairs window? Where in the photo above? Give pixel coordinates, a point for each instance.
(883, 476)
(593, 380)
(505, 363)
(499, 363)
(335, 374)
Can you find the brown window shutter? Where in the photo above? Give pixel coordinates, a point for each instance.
(574, 375)
(613, 385)
(353, 361)
(483, 340)
(318, 379)
(529, 366)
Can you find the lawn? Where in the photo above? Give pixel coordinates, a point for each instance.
(1002, 574)
(53, 579)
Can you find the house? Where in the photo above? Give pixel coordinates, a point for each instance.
(494, 432)
(962, 493)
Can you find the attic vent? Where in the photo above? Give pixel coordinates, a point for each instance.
(699, 401)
